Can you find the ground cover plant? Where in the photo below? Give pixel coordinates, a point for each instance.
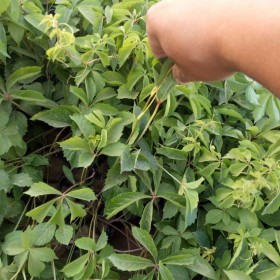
(109, 170)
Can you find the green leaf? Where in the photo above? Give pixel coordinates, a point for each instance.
(76, 210)
(127, 262)
(13, 243)
(64, 234)
(21, 75)
(114, 177)
(75, 144)
(29, 95)
(113, 78)
(102, 241)
(39, 213)
(173, 153)
(175, 199)
(83, 194)
(214, 216)
(164, 272)
(180, 259)
(267, 249)
(122, 201)
(4, 6)
(21, 180)
(114, 130)
(113, 150)
(237, 275)
(128, 159)
(86, 243)
(75, 267)
(4, 180)
(145, 240)
(57, 117)
(43, 233)
(80, 93)
(273, 206)
(41, 188)
(125, 51)
(147, 216)
(202, 267)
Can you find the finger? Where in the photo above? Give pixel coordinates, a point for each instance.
(153, 26)
(156, 47)
(179, 75)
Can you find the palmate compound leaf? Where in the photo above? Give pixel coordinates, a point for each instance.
(127, 262)
(145, 240)
(122, 201)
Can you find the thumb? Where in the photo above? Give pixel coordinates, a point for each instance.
(179, 75)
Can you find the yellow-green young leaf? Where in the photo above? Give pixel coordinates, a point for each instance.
(75, 267)
(237, 275)
(127, 262)
(102, 241)
(147, 216)
(264, 247)
(64, 234)
(113, 150)
(164, 272)
(4, 5)
(41, 188)
(58, 217)
(86, 243)
(75, 144)
(58, 116)
(146, 240)
(76, 210)
(83, 194)
(39, 213)
(122, 201)
(180, 259)
(22, 74)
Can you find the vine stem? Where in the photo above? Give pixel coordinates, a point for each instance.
(149, 122)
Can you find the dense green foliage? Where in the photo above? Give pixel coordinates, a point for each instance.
(97, 139)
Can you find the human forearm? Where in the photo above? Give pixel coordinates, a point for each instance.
(251, 40)
(226, 37)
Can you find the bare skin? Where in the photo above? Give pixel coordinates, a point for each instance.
(211, 39)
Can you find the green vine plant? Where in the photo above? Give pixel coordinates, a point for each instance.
(110, 170)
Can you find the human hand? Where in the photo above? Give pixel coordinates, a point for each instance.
(190, 32)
